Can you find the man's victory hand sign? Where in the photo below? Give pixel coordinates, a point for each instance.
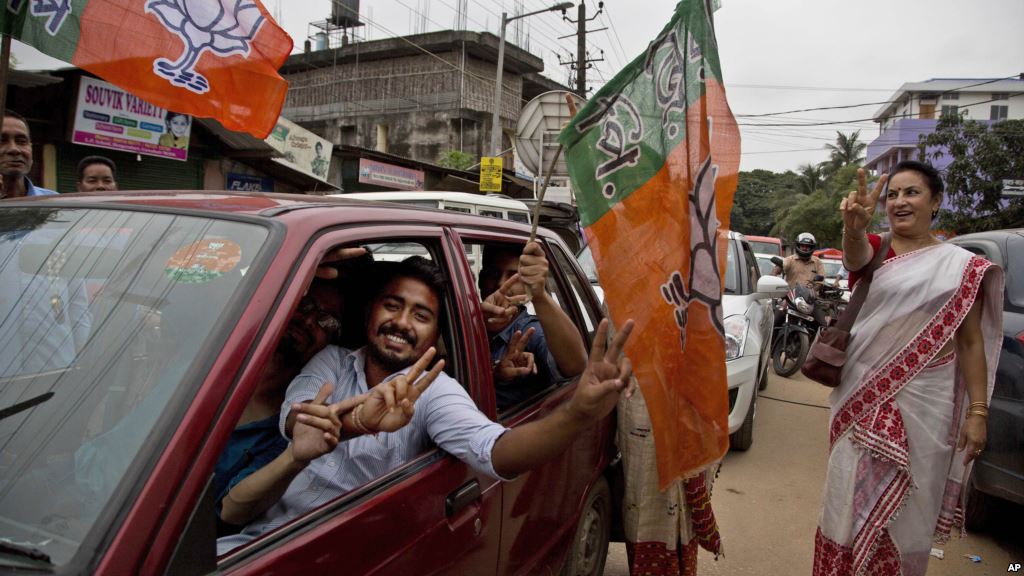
(859, 206)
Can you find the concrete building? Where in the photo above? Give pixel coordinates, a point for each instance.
(414, 96)
(915, 109)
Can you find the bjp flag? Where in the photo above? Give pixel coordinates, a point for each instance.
(654, 158)
(208, 58)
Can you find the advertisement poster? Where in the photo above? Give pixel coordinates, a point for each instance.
(248, 183)
(109, 117)
(301, 149)
(390, 176)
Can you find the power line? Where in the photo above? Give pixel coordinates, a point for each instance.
(847, 106)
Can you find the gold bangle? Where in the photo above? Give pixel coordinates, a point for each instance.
(981, 404)
(360, 427)
(977, 412)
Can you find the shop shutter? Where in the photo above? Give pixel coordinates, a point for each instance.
(132, 174)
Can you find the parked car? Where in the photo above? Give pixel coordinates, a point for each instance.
(747, 311)
(180, 300)
(766, 244)
(999, 472)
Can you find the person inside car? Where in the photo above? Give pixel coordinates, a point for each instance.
(337, 410)
(529, 352)
(316, 322)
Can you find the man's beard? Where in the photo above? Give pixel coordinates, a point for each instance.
(391, 361)
(291, 352)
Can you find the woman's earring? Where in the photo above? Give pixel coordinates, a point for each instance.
(935, 213)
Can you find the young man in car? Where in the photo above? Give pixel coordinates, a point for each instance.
(529, 352)
(337, 407)
(96, 174)
(16, 159)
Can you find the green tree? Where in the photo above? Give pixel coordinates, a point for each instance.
(847, 151)
(811, 178)
(982, 156)
(456, 160)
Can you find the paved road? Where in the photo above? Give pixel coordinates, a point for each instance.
(767, 499)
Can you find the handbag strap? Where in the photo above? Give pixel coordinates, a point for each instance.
(860, 292)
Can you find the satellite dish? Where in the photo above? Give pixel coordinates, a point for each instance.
(537, 132)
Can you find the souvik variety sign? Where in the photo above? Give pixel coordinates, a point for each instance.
(109, 117)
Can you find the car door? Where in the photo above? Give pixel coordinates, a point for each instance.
(431, 515)
(540, 507)
(760, 311)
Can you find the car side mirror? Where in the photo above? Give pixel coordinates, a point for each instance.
(772, 287)
(777, 261)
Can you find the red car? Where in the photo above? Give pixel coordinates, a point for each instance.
(133, 330)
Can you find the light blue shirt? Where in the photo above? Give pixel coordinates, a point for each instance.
(33, 190)
(445, 415)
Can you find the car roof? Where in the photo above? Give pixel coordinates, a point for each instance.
(994, 235)
(293, 209)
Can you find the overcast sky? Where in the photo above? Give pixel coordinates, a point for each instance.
(777, 55)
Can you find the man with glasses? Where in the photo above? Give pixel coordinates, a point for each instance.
(256, 441)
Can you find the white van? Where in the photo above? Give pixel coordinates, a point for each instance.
(465, 202)
(480, 204)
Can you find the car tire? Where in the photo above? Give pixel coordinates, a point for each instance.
(589, 547)
(742, 439)
(977, 507)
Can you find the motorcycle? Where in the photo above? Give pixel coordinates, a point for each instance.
(800, 311)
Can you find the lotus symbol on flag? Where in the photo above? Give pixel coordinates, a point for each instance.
(223, 27)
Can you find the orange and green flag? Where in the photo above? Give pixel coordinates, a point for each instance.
(208, 58)
(653, 158)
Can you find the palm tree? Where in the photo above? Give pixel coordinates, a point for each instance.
(811, 178)
(847, 150)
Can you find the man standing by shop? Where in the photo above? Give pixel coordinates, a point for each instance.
(16, 159)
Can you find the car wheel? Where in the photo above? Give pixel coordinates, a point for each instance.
(590, 542)
(977, 507)
(789, 355)
(741, 439)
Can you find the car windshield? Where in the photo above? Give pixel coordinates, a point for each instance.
(586, 260)
(833, 268)
(102, 315)
(766, 247)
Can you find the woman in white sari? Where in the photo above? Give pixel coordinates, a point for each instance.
(919, 372)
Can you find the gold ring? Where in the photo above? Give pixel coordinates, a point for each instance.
(977, 452)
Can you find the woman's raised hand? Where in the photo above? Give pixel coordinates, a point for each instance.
(859, 206)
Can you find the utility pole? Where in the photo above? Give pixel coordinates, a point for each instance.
(583, 60)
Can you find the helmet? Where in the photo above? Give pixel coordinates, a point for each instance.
(805, 244)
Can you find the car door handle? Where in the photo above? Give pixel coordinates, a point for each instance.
(463, 496)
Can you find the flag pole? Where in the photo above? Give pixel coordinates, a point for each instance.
(5, 64)
(551, 168)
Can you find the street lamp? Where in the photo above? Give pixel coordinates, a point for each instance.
(495, 120)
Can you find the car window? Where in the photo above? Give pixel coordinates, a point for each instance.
(732, 281)
(513, 395)
(591, 316)
(518, 216)
(753, 272)
(359, 283)
(104, 315)
(1015, 271)
(586, 261)
(765, 266)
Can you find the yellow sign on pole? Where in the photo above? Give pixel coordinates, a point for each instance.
(490, 174)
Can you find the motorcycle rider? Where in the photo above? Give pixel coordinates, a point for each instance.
(801, 268)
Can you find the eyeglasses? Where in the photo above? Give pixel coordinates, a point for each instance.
(324, 319)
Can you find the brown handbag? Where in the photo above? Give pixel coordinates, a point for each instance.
(825, 360)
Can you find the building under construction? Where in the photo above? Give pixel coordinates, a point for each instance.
(414, 96)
